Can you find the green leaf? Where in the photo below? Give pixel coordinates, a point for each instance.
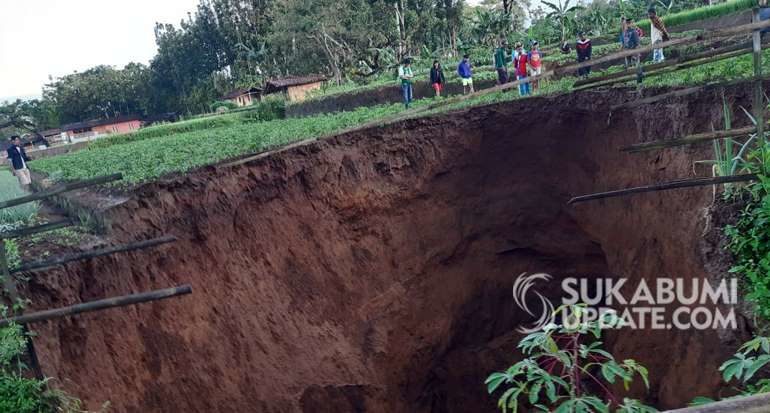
(534, 392)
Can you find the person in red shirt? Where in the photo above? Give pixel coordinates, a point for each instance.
(520, 66)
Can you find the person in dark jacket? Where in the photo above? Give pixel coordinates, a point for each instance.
(501, 63)
(631, 41)
(583, 48)
(437, 80)
(17, 159)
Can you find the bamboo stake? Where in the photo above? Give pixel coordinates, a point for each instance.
(742, 47)
(759, 403)
(684, 92)
(688, 140)
(673, 42)
(60, 189)
(665, 68)
(36, 229)
(38, 265)
(684, 183)
(97, 305)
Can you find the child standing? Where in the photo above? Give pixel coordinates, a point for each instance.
(535, 63)
(437, 79)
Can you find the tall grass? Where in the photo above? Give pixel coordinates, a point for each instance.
(702, 13)
(9, 189)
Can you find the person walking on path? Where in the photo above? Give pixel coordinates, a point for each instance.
(405, 75)
(631, 41)
(465, 71)
(437, 79)
(520, 68)
(658, 34)
(583, 48)
(17, 159)
(535, 62)
(501, 63)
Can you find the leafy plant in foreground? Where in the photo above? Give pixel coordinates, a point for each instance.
(566, 370)
(743, 369)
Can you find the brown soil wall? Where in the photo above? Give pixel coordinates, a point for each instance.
(372, 271)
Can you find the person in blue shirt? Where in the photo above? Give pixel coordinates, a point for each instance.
(465, 71)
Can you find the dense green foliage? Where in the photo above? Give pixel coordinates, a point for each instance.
(750, 244)
(18, 393)
(565, 366)
(9, 189)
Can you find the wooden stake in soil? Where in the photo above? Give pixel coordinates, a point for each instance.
(684, 183)
(99, 305)
(56, 190)
(38, 265)
(36, 229)
(689, 140)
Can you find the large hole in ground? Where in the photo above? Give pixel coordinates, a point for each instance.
(373, 271)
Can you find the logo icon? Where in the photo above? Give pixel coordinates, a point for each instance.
(521, 288)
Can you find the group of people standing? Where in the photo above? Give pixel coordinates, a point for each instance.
(529, 63)
(630, 37)
(437, 78)
(525, 64)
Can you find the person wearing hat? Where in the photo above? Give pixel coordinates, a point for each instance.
(583, 48)
(658, 34)
(535, 62)
(405, 74)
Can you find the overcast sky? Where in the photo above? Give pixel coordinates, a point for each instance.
(56, 37)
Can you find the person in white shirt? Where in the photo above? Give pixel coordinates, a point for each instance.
(658, 34)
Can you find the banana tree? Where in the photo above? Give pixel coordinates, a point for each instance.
(562, 13)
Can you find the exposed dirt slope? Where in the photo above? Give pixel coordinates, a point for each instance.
(372, 271)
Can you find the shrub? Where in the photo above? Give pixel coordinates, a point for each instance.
(563, 364)
(215, 107)
(269, 108)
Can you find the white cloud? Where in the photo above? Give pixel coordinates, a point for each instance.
(39, 38)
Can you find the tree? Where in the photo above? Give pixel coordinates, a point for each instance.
(563, 13)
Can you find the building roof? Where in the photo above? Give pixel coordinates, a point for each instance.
(98, 122)
(284, 82)
(240, 92)
(51, 132)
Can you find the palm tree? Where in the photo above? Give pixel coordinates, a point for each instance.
(561, 12)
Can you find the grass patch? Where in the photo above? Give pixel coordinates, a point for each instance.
(9, 189)
(701, 13)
